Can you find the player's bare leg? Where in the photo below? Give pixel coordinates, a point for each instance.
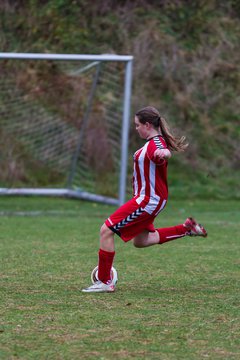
(146, 239)
(106, 239)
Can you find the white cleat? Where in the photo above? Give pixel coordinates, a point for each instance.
(99, 286)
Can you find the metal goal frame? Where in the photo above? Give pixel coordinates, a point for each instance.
(68, 191)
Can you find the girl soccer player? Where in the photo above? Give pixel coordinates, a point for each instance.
(134, 220)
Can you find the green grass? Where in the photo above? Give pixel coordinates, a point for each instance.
(176, 301)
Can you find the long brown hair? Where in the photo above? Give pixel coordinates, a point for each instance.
(151, 115)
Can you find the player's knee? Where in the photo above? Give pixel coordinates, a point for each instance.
(104, 231)
(106, 239)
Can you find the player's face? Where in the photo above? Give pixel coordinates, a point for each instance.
(142, 129)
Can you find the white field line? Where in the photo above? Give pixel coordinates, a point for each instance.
(39, 213)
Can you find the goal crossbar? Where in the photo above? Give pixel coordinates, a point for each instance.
(71, 57)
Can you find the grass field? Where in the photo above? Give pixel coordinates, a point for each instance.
(176, 301)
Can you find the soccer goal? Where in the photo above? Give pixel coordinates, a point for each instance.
(64, 124)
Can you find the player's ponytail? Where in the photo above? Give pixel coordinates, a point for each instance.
(174, 143)
(151, 115)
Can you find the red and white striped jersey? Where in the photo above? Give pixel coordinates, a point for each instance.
(150, 177)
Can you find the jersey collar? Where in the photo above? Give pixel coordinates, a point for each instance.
(154, 137)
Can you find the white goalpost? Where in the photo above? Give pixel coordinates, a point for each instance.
(64, 125)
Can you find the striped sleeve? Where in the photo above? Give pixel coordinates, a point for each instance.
(156, 143)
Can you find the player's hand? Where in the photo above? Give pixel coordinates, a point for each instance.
(160, 154)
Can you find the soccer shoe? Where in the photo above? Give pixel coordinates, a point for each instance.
(193, 228)
(99, 286)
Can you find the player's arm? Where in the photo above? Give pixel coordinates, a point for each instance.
(160, 154)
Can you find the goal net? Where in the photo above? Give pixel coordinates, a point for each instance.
(64, 122)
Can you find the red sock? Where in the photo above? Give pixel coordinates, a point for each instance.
(171, 233)
(105, 261)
